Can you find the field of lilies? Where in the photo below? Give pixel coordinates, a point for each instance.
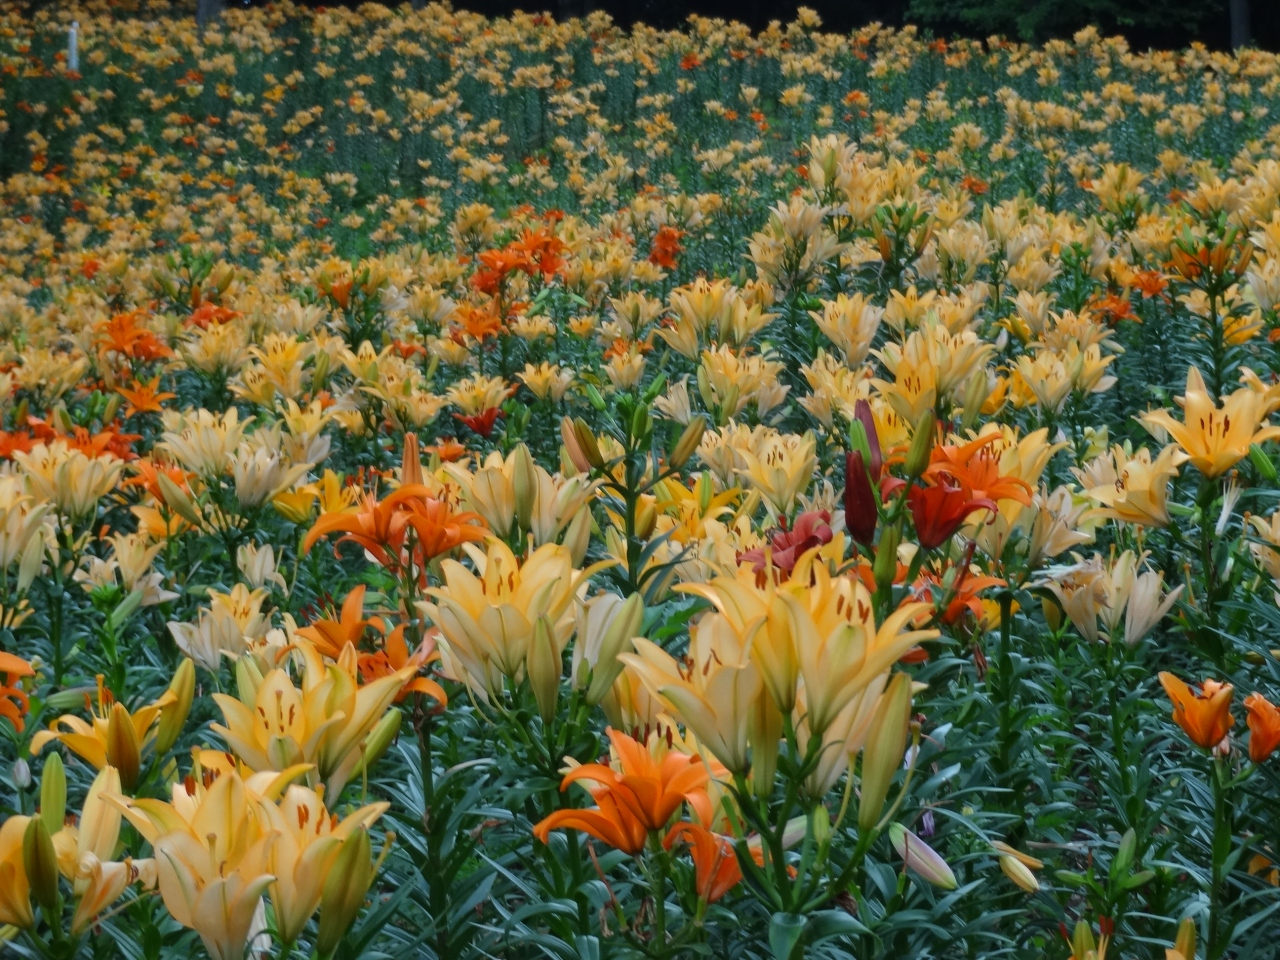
(505, 488)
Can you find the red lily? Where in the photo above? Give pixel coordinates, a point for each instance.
(938, 512)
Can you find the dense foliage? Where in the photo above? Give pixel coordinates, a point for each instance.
(480, 488)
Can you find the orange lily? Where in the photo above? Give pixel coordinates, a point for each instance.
(1205, 716)
(13, 699)
(976, 466)
(395, 656)
(330, 636)
(1264, 727)
(144, 397)
(380, 527)
(716, 869)
(639, 800)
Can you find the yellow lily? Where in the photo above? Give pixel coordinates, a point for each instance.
(716, 696)
(211, 854)
(1215, 438)
(307, 840)
(15, 889)
(114, 736)
(275, 725)
(486, 618)
(840, 648)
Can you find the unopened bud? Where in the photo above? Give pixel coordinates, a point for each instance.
(173, 715)
(646, 519)
(921, 858)
(344, 890)
(543, 667)
(177, 500)
(21, 773)
(1082, 942)
(569, 437)
(688, 442)
(577, 537)
(587, 443)
(882, 755)
(921, 446)
(525, 482)
(885, 568)
(1185, 944)
(1019, 873)
(53, 793)
(381, 737)
(40, 862)
(123, 750)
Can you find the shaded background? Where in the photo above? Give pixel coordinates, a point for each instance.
(1147, 23)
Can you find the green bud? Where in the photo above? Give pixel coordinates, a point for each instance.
(381, 737)
(344, 890)
(41, 865)
(53, 793)
(886, 564)
(174, 714)
(543, 668)
(688, 442)
(1262, 463)
(882, 755)
(921, 446)
(525, 481)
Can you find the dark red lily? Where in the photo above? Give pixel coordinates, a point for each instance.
(939, 511)
(860, 514)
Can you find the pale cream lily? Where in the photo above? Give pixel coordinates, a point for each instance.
(1215, 437)
(486, 618)
(275, 725)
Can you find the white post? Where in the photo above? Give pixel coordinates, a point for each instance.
(73, 47)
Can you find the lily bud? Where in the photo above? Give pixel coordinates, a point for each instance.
(53, 793)
(875, 461)
(248, 679)
(173, 716)
(1019, 873)
(766, 736)
(1186, 942)
(1082, 942)
(344, 891)
(885, 567)
(975, 395)
(176, 499)
(525, 481)
(543, 667)
(626, 624)
(821, 826)
(40, 862)
(860, 514)
(921, 858)
(921, 446)
(646, 519)
(381, 737)
(410, 461)
(578, 535)
(570, 440)
(123, 750)
(111, 407)
(587, 443)
(688, 442)
(31, 562)
(886, 741)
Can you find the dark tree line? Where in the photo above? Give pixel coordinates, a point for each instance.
(1219, 24)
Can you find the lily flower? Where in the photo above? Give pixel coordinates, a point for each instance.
(1264, 727)
(715, 865)
(1215, 437)
(113, 736)
(635, 800)
(1205, 716)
